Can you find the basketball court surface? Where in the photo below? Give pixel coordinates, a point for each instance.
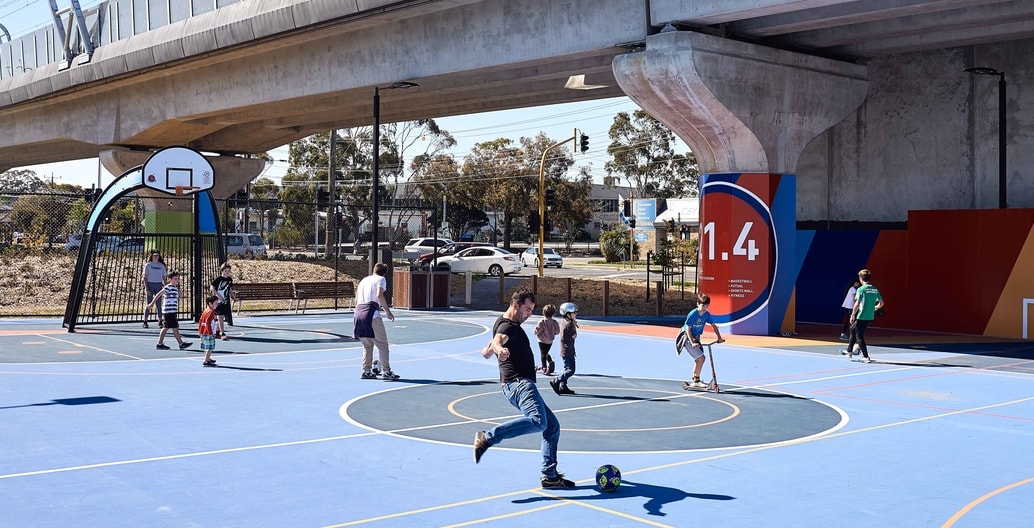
(100, 429)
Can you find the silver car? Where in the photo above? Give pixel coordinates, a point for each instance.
(530, 258)
(484, 260)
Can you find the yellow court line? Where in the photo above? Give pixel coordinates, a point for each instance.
(505, 516)
(958, 515)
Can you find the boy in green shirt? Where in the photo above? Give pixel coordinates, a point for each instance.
(867, 301)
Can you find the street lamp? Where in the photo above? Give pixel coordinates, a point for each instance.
(375, 249)
(982, 70)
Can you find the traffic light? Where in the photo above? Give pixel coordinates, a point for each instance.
(583, 143)
(631, 223)
(533, 222)
(626, 208)
(671, 226)
(322, 197)
(550, 196)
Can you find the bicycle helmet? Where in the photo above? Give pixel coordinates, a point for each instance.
(568, 307)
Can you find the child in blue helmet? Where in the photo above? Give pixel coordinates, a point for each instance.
(568, 333)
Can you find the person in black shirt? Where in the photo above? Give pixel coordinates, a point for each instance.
(512, 348)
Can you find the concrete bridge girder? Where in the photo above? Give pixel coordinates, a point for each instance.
(740, 107)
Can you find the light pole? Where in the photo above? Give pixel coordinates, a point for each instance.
(983, 70)
(375, 248)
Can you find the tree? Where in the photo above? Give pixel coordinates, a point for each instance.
(642, 154)
(571, 202)
(432, 176)
(263, 197)
(21, 181)
(496, 174)
(573, 208)
(399, 141)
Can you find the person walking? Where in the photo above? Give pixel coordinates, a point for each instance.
(512, 349)
(170, 297)
(154, 275)
(568, 333)
(369, 325)
(546, 331)
(694, 327)
(206, 329)
(848, 307)
(867, 302)
(222, 288)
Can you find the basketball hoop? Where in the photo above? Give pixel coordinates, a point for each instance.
(185, 189)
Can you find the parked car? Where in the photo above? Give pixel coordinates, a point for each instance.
(418, 246)
(244, 245)
(103, 243)
(131, 245)
(550, 258)
(446, 250)
(483, 259)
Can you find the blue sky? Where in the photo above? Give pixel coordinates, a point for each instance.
(557, 121)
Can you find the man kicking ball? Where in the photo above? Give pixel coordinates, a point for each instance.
(510, 344)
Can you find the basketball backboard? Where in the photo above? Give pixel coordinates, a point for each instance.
(178, 170)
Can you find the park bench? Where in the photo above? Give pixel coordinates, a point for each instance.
(303, 291)
(263, 291)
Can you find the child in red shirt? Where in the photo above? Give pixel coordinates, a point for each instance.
(206, 329)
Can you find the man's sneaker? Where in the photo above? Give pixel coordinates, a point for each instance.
(145, 325)
(368, 375)
(845, 352)
(480, 446)
(556, 482)
(185, 345)
(555, 383)
(388, 375)
(844, 337)
(160, 346)
(697, 384)
(867, 359)
(565, 390)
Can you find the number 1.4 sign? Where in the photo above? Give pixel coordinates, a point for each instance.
(744, 245)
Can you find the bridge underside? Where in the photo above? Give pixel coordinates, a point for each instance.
(247, 78)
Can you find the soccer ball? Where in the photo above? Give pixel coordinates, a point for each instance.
(608, 477)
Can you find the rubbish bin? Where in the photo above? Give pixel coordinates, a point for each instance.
(417, 288)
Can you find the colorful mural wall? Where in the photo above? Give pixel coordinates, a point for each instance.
(963, 272)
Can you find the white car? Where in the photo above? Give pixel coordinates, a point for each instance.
(245, 245)
(550, 258)
(103, 243)
(418, 246)
(483, 259)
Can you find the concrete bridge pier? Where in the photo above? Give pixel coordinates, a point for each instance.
(740, 107)
(747, 112)
(231, 173)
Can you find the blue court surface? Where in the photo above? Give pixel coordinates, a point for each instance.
(100, 429)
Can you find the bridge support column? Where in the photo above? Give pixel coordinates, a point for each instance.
(747, 112)
(740, 107)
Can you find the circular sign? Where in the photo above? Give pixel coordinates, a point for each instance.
(738, 251)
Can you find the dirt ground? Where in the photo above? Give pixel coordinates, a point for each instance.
(39, 286)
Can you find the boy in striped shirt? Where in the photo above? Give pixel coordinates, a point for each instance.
(170, 297)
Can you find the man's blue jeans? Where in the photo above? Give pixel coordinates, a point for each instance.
(524, 395)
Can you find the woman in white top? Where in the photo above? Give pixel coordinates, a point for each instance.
(154, 275)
